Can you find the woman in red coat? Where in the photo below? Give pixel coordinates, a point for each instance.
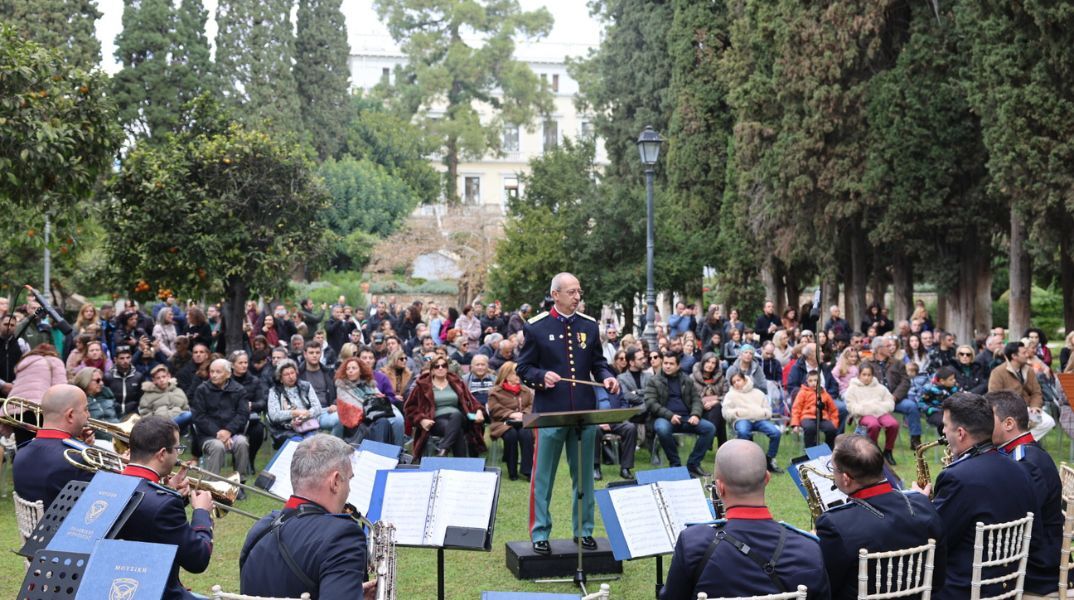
(440, 404)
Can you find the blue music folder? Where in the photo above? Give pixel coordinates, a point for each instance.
(389, 450)
(98, 513)
(122, 569)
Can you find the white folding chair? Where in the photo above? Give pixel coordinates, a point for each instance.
(604, 593)
(1066, 476)
(1006, 546)
(799, 594)
(897, 573)
(1064, 556)
(27, 514)
(220, 594)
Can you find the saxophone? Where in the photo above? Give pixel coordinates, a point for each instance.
(923, 476)
(816, 507)
(383, 563)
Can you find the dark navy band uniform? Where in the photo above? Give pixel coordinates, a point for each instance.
(753, 552)
(571, 347)
(878, 518)
(328, 549)
(1042, 568)
(980, 486)
(40, 470)
(160, 518)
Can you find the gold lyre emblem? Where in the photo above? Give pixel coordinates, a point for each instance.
(95, 511)
(123, 589)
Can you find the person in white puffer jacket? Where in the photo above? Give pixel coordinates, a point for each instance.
(872, 404)
(748, 410)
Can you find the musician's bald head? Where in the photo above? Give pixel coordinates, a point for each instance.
(63, 407)
(741, 467)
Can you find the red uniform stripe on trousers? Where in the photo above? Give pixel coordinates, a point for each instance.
(533, 478)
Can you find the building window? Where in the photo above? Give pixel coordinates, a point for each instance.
(510, 138)
(472, 190)
(551, 135)
(555, 82)
(510, 189)
(585, 130)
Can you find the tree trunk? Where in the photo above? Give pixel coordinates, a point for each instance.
(451, 160)
(961, 303)
(878, 282)
(794, 290)
(858, 279)
(829, 295)
(773, 282)
(628, 315)
(1021, 275)
(902, 273)
(940, 318)
(234, 313)
(1066, 277)
(982, 322)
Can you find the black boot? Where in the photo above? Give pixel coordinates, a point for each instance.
(915, 441)
(888, 456)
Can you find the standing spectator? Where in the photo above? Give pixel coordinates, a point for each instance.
(449, 324)
(518, 319)
(129, 333)
(872, 404)
(35, 372)
(198, 329)
(188, 374)
(305, 310)
(836, 325)
(711, 325)
(338, 328)
(470, 325)
(436, 322)
(164, 331)
(510, 401)
(493, 321)
(733, 323)
(256, 399)
(682, 320)
(221, 413)
(789, 321)
(611, 342)
(768, 322)
(125, 381)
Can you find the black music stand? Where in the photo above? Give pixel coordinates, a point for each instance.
(578, 420)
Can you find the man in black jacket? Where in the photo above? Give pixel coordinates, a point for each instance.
(220, 413)
(676, 408)
(125, 381)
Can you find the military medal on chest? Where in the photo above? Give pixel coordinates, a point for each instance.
(581, 339)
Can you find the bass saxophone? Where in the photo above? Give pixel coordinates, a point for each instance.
(383, 563)
(924, 477)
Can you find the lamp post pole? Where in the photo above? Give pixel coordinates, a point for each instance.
(649, 335)
(649, 148)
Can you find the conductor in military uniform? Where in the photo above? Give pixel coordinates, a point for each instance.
(40, 470)
(160, 517)
(309, 546)
(748, 553)
(980, 485)
(1013, 438)
(878, 517)
(563, 343)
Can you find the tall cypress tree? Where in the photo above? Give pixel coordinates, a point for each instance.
(66, 25)
(142, 89)
(191, 68)
(254, 49)
(322, 74)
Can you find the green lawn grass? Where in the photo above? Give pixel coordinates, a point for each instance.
(470, 573)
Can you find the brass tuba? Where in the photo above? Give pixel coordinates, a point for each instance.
(924, 477)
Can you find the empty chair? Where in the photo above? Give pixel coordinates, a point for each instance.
(220, 594)
(799, 594)
(27, 514)
(896, 573)
(1004, 546)
(1066, 476)
(1064, 558)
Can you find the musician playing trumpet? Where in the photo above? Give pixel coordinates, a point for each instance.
(40, 470)
(160, 517)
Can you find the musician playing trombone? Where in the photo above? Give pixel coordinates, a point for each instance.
(40, 470)
(160, 517)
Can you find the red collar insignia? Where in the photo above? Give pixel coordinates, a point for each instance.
(869, 491)
(753, 513)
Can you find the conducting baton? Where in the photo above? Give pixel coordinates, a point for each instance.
(582, 381)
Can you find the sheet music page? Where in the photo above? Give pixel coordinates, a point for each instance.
(463, 499)
(406, 504)
(686, 503)
(640, 518)
(830, 496)
(365, 466)
(281, 468)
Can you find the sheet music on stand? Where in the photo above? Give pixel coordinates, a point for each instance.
(646, 520)
(441, 508)
(830, 496)
(369, 458)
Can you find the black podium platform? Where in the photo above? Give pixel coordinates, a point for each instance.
(524, 563)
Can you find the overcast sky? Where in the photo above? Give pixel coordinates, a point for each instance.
(574, 29)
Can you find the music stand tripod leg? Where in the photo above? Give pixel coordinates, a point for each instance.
(440, 574)
(579, 575)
